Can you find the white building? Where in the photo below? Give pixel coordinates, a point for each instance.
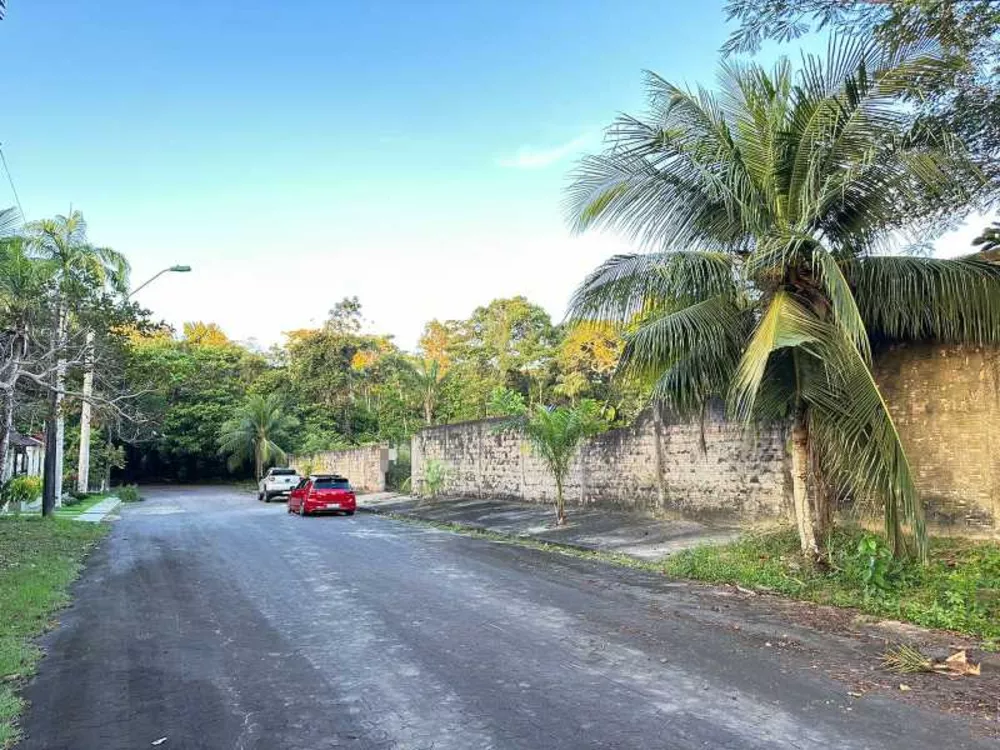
(26, 455)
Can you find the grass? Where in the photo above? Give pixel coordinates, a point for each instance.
(959, 589)
(39, 559)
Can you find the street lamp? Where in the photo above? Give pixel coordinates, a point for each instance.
(83, 462)
(158, 274)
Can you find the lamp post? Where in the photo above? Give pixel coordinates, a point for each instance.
(83, 462)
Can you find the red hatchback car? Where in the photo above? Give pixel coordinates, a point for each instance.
(323, 493)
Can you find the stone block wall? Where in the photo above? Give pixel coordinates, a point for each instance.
(945, 401)
(365, 466)
(701, 469)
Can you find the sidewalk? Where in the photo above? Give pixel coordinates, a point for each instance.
(99, 511)
(629, 533)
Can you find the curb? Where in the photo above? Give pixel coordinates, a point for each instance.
(469, 527)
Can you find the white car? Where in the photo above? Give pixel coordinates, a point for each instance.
(277, 483)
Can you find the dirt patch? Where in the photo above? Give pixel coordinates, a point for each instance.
(976, 698)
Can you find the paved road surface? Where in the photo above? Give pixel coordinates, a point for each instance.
(215, 621)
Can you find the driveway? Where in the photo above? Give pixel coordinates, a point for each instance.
(210, 620)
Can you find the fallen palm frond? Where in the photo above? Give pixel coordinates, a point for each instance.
(909, 660)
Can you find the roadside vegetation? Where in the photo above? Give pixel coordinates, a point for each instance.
(958, 589)
(39, 559)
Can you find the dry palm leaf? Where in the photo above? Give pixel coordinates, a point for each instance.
(908, 660)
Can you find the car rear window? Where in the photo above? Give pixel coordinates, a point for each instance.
(328, 483)
(282, 472)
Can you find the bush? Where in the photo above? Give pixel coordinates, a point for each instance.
(129, 493)
(20, 489)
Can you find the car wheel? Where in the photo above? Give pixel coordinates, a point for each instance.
(302, 509)
(348, 512)
(260, 496)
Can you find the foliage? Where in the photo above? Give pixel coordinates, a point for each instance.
(254, 432)
(19, 490)
(199, 333)
(505, 402)
(964, 95)
(958, 588)
(39, 559)
(435, 476)
(129, 493)
(193, 389)
(773, 198)
(554, 435)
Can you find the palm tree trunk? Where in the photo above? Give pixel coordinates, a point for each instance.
(800, 486)
(560, 503)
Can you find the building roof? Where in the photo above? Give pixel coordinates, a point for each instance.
(25, 441)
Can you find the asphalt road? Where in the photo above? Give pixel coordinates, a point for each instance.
(215, 621)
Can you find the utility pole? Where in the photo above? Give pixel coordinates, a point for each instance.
(83, 461)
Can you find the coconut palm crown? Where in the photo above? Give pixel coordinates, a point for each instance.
(772, 206)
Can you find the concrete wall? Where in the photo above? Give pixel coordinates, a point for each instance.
(364, 466)
(703, 470)
(945, 400)
(946, 403)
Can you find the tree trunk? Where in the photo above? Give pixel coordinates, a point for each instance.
(59, 386)
(6, 423)
(800, 486)
(83, 461)
(49, 492)
(428, 410)
(560, 504)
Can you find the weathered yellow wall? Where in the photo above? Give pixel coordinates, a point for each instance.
(946, 403)
(945, 400)
(365, 466)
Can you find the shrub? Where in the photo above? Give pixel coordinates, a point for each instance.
(435, 476)
(19, 490)
(129, 493)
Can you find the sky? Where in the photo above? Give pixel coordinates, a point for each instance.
(412, 153)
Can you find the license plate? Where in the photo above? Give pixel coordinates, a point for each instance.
(333, 505)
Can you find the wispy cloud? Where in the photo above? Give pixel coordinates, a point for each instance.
(530, 157)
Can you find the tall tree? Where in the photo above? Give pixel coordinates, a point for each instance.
(771, 200)
(78, 266)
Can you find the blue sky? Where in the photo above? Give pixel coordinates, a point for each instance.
(412, 153)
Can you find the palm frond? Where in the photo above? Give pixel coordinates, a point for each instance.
(912, 298)
(627, 285)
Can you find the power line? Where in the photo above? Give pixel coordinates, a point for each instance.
(10, 179)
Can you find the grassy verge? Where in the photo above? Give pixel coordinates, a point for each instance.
(959, 589)
(39, 558)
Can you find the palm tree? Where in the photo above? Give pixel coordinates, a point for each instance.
(428, 376)
(554, 435)
(769, 203)
(78, 266)
(253, 433)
